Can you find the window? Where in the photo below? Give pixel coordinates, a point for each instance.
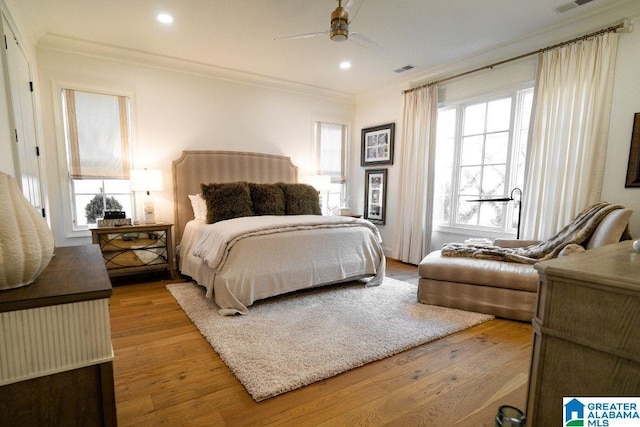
(330, 160)
(96, 128)
(480, 153)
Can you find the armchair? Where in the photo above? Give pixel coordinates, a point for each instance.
(504, 289)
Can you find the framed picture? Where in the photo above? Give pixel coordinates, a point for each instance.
(633, 170)
(375, 195)
(377, 145)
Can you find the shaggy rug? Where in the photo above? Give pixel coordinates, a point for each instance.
(293, 340)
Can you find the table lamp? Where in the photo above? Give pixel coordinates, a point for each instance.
(147, 180)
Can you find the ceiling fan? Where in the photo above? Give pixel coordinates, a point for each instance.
(339, 29)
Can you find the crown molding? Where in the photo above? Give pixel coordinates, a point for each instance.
(61, 43)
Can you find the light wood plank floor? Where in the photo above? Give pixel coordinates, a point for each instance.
(167, 374)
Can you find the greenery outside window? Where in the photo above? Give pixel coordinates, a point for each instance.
(97, 134)
(481, 153)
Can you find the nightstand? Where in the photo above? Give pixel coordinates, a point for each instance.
(135, 248)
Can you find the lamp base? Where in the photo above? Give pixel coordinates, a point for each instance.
(149, 218)
(149, 211)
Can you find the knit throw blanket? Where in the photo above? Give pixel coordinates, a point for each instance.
(577, 232)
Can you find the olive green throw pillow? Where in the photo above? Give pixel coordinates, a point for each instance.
(300, 199)
(267, 199)
(226, 201)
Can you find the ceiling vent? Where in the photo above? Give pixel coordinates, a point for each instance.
(571, 5)
(405, 68)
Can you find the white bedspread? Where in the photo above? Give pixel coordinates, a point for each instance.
(217, 240)
(246, 259)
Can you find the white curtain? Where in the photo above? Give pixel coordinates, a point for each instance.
(416, 186)
(565, 164)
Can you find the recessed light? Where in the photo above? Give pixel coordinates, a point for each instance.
(345, 65)
(165, 18)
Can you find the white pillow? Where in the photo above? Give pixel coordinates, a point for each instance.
(199, 206)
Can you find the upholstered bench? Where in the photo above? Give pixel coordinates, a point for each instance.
(504, 289)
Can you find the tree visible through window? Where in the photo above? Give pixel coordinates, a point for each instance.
(96, 207)
(98, 154)
(481, 153)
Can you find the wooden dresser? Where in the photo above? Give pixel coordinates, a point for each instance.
(586, 330)
(56, 358)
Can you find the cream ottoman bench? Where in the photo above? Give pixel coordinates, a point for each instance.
(504, 289)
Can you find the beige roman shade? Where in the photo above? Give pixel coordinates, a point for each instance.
(97, 133)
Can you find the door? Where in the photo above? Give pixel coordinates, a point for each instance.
(28, 169)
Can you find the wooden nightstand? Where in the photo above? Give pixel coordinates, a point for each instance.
(135, 248)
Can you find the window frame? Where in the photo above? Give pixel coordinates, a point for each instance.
(517, 95)
(105, 194)
(70, 228)
(336, 181)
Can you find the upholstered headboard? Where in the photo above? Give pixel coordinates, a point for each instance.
(203, 166)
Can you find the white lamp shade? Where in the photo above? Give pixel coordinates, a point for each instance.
(146, 180)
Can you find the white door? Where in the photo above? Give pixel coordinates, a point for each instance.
(28, 168)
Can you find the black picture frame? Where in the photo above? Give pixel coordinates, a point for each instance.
(375, 195)
(377, 145)
(633, 169)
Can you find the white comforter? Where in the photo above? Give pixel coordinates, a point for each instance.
(246, 259)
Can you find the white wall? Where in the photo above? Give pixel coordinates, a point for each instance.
(183, 110)
(626, 102)
(386, 105)
(203, 109)
(379, 108)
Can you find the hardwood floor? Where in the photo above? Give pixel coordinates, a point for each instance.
(167, 374)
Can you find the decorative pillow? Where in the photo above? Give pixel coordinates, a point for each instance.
(267, 199)
(199, 206)
(226, 201)
(300, 199)
(571, 249)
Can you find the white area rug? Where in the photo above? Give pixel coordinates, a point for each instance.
(290, 341)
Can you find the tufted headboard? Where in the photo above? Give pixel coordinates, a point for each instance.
(204, 166)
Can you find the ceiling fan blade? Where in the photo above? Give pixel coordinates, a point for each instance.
(304, 36)
(364, 41)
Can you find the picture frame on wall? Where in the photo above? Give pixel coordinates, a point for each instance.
(377, 145)
(633, 169)
(375, 195)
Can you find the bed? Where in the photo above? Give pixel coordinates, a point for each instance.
(253, 257)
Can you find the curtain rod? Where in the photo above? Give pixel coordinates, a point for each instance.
(613, 28)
